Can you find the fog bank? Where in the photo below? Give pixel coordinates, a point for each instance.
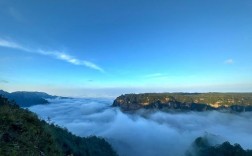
(143, 133)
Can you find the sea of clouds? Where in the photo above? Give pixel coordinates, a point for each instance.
(145, 133)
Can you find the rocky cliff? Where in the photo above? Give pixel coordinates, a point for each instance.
(237, 102)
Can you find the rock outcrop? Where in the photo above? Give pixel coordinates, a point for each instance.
(238, 102)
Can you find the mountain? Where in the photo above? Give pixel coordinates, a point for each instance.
(237, 102)
(26, 99)
(23, 133)
(202, 147)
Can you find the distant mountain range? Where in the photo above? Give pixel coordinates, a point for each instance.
(237, 102)
(26, 99)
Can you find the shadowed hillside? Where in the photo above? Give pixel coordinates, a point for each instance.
(202, 147)
(27, 99)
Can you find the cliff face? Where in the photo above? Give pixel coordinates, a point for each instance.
(237, 102)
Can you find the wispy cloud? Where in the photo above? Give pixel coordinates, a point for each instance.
(13, 45)
(70, 59)
(55, 54)
(229, 61)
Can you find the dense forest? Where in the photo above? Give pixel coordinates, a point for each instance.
(23, 133)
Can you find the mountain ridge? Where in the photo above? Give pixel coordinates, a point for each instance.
(237, 102)
(27, 98)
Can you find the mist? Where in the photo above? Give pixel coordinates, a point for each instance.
(144, 132)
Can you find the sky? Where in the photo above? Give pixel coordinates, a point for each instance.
(112, 47)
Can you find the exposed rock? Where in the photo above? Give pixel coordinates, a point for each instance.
(185, 101)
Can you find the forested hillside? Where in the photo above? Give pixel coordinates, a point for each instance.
(202, 147)
(22, 133)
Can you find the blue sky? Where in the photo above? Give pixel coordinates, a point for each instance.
(106, 48)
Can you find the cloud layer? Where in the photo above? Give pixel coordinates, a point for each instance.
(145, 133)
(55, 54)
